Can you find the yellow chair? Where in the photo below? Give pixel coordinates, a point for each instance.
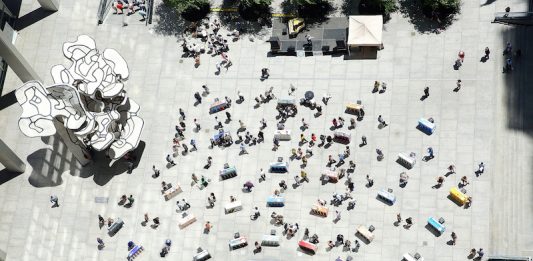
(295, 26)
(458, 196)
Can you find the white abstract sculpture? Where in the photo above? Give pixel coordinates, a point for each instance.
(88, 98)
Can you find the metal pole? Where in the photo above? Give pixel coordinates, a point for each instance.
(10, 160)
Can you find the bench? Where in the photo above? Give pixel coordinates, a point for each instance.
(319, 211)
(436, 225)
(342, 137)
(228, 173)
(308, 246)
(186, 221)
(233, 207)
(279, 167)
(365, 233)
(282, 134)
(387, 196)
(406, 161)
(115, 227)
(275, 201)
(270, 240)
(509, 258)
(172, 192)
(458, 196)
(426, 126)
(237, 243)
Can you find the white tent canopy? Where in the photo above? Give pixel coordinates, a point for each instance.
(365, 30)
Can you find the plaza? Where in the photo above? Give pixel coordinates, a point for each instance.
(488, 120)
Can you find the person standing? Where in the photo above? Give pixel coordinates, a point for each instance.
(480, 253)
(182, 113)
(363, 140)
(55, 201)
(398, 218)
(208, 227)
(481, 168)
(426, 92)
(193, 144)
(156, 171)
(458, 85)
(262, 175)
(130, 200)
(381, 121)
(101, 220)
(370, 181)
(243, 149)
(265, 73)
(487, 53)
(454, 238)
(206, 90)
(198, 97)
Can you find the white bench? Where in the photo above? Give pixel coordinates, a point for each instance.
(233, 207)
(187, 220)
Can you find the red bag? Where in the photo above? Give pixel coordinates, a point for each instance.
(120, 6)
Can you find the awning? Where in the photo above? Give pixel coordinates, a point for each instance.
(365, 30)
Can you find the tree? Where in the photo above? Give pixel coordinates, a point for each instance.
(441, 9)
(190, 9)
(383, 7)
(254, 9)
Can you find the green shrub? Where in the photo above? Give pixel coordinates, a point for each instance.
(383, 7)
(248, 4)
(440, 8)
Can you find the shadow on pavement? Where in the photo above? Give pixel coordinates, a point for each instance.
(31, 18)
(49, 165)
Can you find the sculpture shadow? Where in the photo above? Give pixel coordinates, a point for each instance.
(49, 165)
(31, 18)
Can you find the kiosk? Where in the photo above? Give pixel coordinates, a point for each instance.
(365, 233)
(228, 173)
(387, 196)
(275, 201)
(406, 161)
(436, 225)
(458, 196)
(426, 126)
(186, 220)
(218, 106)
(308, 246)
(282, 134)
(237, 243)
(319, 211)
(233, 207)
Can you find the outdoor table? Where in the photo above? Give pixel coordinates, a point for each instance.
(342, 137)
(186, 220)
(319, 210)
(218, 106)
(406, 161)
(426, 126)
(172, 192)
(270, 240)
(228, 173)
(330, 176)
(201, 256)
(354, 108)
(279, 167)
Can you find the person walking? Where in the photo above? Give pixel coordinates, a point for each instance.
(262, 175)
(337, 215)
(304, 124)
(481, 168)
(451, 169)
(426, 92)
(241, 97)
(146, 219)
(193, 144)
(101, 220)
(363, 140)
(454, 238)
(207, 227)
(370, 182)
(228, 116)
(55, 201)
(198, 97)
(440, 180)
(464, 181)
(398, 218)
(458, 85)
(170, 160)
(197, 124)
(430, 153)
(487, 53)
(480, 253)
(100, 243)
(206, 90)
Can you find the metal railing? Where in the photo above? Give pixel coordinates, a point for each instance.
(103, 9)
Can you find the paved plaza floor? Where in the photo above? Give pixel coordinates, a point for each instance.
(489, 120)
